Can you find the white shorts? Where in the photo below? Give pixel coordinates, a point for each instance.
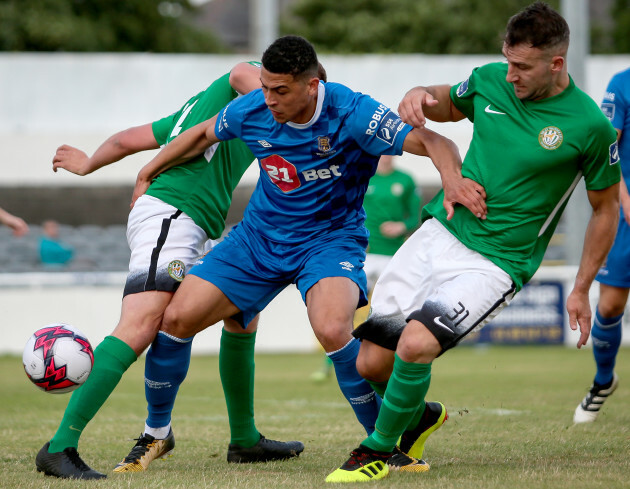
(374, 266)
(165, 243)
(438, 281)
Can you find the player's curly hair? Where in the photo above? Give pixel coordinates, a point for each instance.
(539, 26)
(292, 55)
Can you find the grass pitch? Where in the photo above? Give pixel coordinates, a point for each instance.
(510, 426)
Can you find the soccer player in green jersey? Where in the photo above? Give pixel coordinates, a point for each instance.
(392, 209)
(535, 135)
(167, 231)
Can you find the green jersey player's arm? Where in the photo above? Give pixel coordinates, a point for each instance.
(187, 145)
(245, 77)
(115, 148)
(445, 156)
(434, 103)
(600, 234)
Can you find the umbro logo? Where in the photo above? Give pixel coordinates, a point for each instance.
(490, 111)
(264, 143)
(346, 265)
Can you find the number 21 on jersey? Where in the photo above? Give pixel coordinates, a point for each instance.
(281, 172)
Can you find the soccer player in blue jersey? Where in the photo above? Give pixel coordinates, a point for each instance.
(614, 276)
(169, 227)
(317, 146)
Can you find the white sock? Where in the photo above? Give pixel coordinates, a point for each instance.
(157, 433)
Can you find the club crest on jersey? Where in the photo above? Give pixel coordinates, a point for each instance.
(324, 147)
(614, 153)
(550, 137)
(176, 270)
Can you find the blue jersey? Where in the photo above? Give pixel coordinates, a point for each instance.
(313, 175)
(616, 106)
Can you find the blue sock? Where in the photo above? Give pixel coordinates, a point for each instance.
(356, 390)
(165, 369)
(606, 336)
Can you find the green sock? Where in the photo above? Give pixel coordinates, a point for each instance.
(404, 397)
(236, 368)
(378, 387)
(112, 358)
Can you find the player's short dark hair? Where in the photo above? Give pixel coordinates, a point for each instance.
(539, 26)
(321, 73)
(292, 55)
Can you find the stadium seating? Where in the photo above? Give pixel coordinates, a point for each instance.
(96, 248)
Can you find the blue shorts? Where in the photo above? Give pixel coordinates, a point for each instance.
(616, 270)
(251, 271)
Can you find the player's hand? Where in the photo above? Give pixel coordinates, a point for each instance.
(411, 109)
(18, 225)
(142, 184)
(392, 229)
(71, 159)
(579, 309)
(466, 192)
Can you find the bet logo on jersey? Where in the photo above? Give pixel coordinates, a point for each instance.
(285, 176)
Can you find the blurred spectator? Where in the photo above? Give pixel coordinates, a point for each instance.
(20, 228)
(52, 251)
(392, 207)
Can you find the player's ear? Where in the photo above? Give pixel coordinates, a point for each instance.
(557, 64)
(313, 86)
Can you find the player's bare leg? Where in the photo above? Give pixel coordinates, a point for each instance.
(331, 304)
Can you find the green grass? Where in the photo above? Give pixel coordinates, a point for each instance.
(510, 426)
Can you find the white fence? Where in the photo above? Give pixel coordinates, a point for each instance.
(80, 99)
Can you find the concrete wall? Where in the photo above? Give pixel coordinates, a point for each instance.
(91, 302)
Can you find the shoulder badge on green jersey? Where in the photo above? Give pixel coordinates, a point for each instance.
(550, 137)
(463, 87)
(613, 150)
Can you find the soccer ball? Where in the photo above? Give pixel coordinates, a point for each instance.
(58, 358)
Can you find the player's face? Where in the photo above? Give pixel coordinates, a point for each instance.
(289, 98)
(530, 71)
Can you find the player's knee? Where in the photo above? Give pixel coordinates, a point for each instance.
(419, 342)
(172, 322)
(374, 363)
(610, 309)
(334, 336)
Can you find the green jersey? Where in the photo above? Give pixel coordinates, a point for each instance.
(391, 197)
(203, 186)
(529, 156)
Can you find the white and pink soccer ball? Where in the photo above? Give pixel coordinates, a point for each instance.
(58, 358)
